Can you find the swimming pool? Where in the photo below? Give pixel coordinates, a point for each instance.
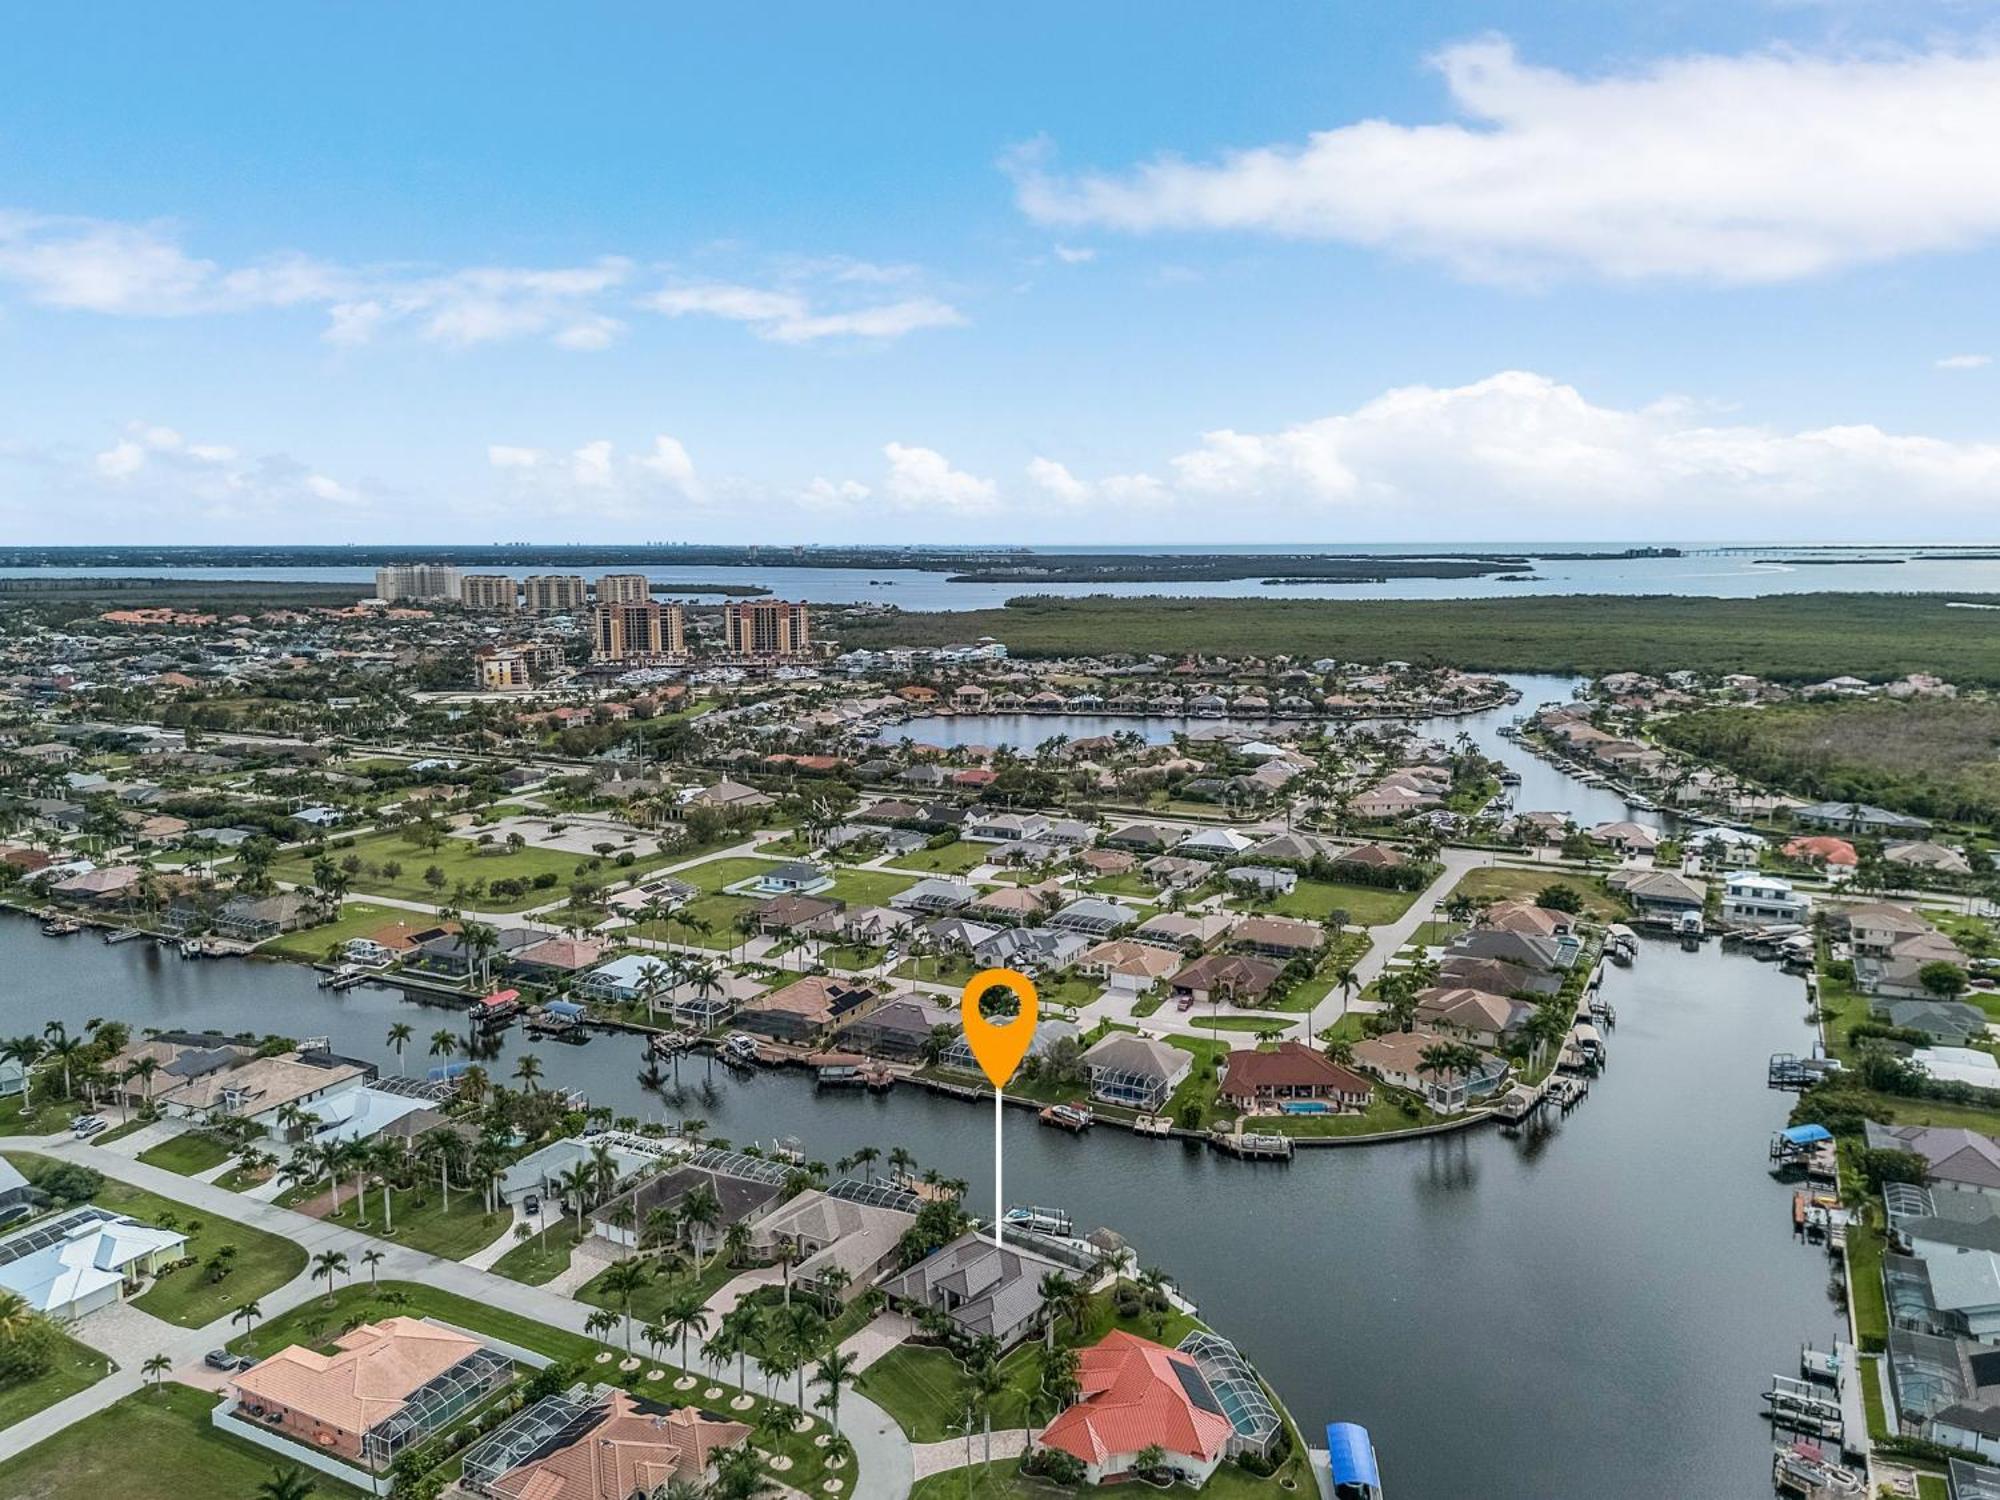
(1305, 1107)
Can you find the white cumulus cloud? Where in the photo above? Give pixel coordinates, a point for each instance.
(923, 479)
(1763, 167)
(1965, 362)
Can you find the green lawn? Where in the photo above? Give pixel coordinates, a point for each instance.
(869, 887)
(716, 874)
(417, 1217)
(1365, 905)
(75, 1369)
(356, 919)
(192, 1152)
(45, 1118)
(1384, 1114)
(1864, 1285)
(1520, 883)
(717, 911)
(923, 1389)
(188, 1297)
(157, 1444)
(1130, 884)
(460, 860)
(540, 1258)
(667, 1281)
(1871, 1398)
(952, 859)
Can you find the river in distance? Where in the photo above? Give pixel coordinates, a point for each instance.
(1721, 575)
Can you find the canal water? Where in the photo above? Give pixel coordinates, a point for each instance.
(1586, 1312)
(1543, 788)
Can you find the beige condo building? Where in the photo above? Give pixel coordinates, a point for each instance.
(554, 593)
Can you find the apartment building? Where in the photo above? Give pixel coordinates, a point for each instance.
(419, 581)
(491, 591)
(773, 629)
(520, 665)
(637, 632)
(623, 588)
(554, 593)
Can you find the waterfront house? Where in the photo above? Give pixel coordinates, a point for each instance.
(541, 1171)
(625, 1219)
(807, 1007)
(1955, 1160)
(1546, 954)
(900, 1029)
(1224, 979)
(1875, 928)
(1899, 972)
(1396, 1057)
(1477, 1016)
(353, 1402)
(957, 1053)
(1952, 1022)
(554, 958)
(1254, 1080)
(1528, 919)
(1136, 1072)
(987, 1290)
(1627, 837)
(1658, 892)
(1753, 900)
(1134, 1397)
(253, 919)
(84, 1259)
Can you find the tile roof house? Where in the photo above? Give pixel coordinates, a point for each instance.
(1281, 938)
(635, 1447)
(828, 1233)
(1225, 978)
(1524, 949)
(988, 1290)
(1252, 1078)
(806, 1007)
(1396, 1057)
(334, 1401)
(738, 1199)
(1128, 965)
(1134, 1394)
(1479, 1017)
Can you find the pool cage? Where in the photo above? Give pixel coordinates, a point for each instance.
(1925, 1371)
(552, 1423)
(1906, 1286)
(1239, 1392)
(875, 1195)
(1129, 1087)
(736, 1164)
(436, 1404)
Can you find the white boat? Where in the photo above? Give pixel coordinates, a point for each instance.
(1040, 1220)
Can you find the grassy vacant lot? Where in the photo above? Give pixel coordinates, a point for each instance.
(1365, 905)
(1933, 757)
(667, 1282)
(951, 859)
(188, 1153)
(460, 860)
(47, 1116)
(263, 1261)
(76, 1368)
(1521, 883)
(540, 1258)
(1794, 637)
(155, 1443)
(418, 1217)
(869, 887)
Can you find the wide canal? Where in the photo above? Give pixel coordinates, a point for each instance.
(1586, 1312)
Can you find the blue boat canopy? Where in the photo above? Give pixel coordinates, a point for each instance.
(568, 1009)
(445, 1071)
(1807, 1135)
(1352, 1456)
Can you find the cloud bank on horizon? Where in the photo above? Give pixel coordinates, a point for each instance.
(1509, 312)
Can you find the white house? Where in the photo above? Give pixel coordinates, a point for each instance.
(1753, 900)
(85, 1259)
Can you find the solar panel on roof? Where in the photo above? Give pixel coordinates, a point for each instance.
(51, 1232)
(1196, 1388)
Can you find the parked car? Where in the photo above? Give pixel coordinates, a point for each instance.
(532, 1204)
(84, 1126)
(222, 1359)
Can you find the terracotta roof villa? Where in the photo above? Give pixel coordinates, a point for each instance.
(1291, 1071)
(601, 1444)
(1135, 1395)
(385, 1386)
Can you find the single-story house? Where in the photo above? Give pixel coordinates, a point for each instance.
(1134, 1396)
(84, 1259)
(1281, 938)
(1224, 979)
(987, 1290)
(1254, 1079)
(1134, 1071)
(807, 1006)
(828, 1233)
(1396, 1057)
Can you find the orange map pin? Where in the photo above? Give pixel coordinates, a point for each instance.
(999, 1047)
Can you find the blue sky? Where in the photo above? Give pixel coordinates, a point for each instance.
(1106, 273)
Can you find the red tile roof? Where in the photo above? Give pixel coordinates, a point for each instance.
(1136, 1394)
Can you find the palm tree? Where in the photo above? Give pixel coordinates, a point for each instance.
(15, 1316)
(834, 1371)
(1057, 1290)
(701, 1211)
(621, 1279)
(371, 1259)
(327, 1265)
(399, 1038)
(155, 1369)
(528, 1070)
(287, 1484)
(984, 1385)
(685, 1314)
(741, 1325)
(247, 1315)
(443, 1043)
(865, 1158)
